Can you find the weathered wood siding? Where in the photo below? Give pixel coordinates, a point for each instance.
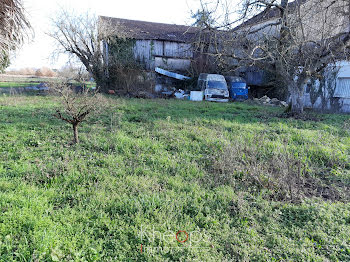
(172, 64)
(142, 53)
(165, 54)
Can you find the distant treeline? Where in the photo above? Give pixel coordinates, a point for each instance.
(44, 71)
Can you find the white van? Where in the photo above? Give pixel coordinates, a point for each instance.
(214, 87)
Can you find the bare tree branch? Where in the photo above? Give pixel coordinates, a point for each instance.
(14, 27)
(295, 40)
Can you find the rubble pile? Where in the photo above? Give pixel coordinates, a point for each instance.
(265, 100)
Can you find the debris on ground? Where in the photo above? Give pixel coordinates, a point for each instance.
(171, 74)
(40, 87)
(43, 87)
(180, 94)
(144, 95)
(265, 100)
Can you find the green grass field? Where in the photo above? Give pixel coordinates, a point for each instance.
(17, 84)
(244, 183)
(7, 81)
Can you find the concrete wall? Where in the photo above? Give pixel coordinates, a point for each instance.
(327, 95)
(314, 20)
(322, 18)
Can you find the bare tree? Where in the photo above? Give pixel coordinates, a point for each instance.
(296, 40)
(76, 106)
(13, 28)
(81, 37)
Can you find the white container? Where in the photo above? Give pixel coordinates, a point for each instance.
(158, 88)
(196, 96)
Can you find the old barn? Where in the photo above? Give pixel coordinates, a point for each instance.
(168, 46)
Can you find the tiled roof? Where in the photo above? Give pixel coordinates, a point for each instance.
(270, 13)
(151, 31)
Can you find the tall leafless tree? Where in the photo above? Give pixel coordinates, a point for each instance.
(81, 37)
(13, 28)
(296, 40)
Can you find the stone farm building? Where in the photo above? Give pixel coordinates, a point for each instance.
(333, 93)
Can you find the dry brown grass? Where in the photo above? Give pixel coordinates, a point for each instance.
(282, 174)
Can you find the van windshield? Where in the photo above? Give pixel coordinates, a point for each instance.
(238, 85)
(216, 85)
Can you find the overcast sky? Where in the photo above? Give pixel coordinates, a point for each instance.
(37, 52)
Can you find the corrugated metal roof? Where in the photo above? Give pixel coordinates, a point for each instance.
(343, 88)
(142, 30)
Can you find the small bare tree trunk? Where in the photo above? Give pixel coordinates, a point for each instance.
(76, 137)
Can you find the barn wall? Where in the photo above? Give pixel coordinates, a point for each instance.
(142, 53)
(165, 54)
(172, 64)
